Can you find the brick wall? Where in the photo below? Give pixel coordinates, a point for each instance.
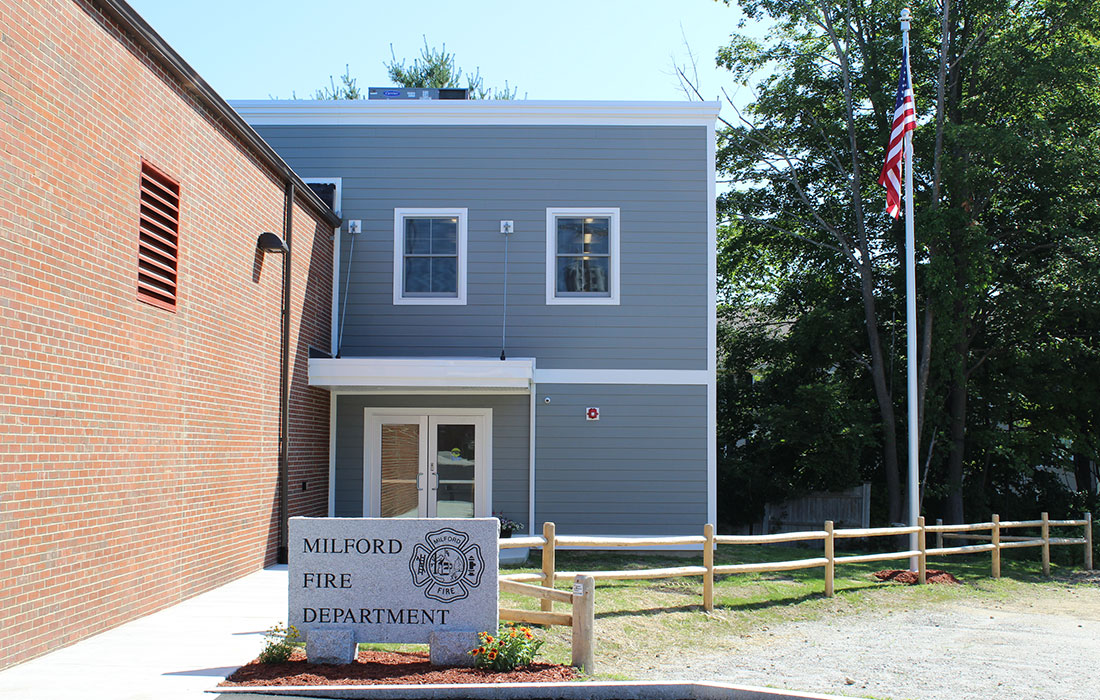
(138, 447)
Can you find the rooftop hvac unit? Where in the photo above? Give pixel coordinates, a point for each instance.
(402, 93)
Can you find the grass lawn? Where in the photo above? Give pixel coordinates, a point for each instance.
(663, 619)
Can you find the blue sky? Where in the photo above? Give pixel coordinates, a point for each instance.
(560, 49)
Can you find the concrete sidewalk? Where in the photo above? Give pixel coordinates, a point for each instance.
(174, 654)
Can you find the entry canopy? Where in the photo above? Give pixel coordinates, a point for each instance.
(387, 375)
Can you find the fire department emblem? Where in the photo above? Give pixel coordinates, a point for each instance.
(448, 566)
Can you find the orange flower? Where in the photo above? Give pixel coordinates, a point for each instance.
(492, 655)
(477, 651)
(489, 638)
(527, 633)
(514, 633)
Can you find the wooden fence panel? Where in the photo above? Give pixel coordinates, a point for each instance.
(851, 508)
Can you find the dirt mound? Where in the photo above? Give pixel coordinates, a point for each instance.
(389, 668)
(910, 577)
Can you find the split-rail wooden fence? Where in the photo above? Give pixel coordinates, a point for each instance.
(994, 542)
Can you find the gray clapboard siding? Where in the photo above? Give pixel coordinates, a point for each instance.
(656, 175)
(510, 446)
(639, 470)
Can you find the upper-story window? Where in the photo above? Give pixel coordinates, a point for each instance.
(429, 262)
(582, 256)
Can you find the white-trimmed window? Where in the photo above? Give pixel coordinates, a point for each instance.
(582, 255)
(429, 258)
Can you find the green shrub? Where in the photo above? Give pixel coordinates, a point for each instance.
(279, 642)
(511, 647)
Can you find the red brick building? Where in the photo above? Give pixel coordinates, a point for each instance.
(140, 331)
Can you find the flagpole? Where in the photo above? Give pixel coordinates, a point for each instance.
(910, 312)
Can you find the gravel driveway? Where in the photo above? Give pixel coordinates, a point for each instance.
(1043, 648)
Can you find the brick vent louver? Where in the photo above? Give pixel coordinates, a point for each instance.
(158, 246)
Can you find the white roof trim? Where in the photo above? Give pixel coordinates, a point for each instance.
(381, 374)
(267, 112)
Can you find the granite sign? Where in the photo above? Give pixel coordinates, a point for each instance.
(393, 579)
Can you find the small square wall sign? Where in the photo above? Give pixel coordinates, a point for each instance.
(592, 413)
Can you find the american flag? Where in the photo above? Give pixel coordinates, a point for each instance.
(905, 119)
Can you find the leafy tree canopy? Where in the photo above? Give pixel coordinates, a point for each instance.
(1007, 156)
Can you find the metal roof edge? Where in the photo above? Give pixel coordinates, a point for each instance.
(476, 112)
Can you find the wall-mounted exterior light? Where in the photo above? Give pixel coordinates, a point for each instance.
(271, 243)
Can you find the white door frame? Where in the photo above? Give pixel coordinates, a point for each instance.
(373, 417)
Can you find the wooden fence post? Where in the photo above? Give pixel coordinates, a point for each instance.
(1046, 543)
(922, 558)
(1088, 541)
(939, 535)
(584, 622)
(548, 556)
(830, 559)
(996, 551)
(708, 562)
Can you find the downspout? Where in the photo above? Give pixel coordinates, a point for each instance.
(531, 418)
(284, 382)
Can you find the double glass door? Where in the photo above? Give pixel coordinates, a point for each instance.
(426, 466)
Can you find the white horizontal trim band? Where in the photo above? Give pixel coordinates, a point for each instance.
(420, 112)
(377, 373)
(622, 376)
(472, 374)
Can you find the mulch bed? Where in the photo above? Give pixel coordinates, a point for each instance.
(910, 577)
(387, 668)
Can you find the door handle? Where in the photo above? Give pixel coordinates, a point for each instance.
(435, 478)
(418, 487)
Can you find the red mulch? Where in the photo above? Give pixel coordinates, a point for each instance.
(904, 576)
(387, 667)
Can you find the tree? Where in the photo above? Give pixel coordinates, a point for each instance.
(347, 90)
(434, 68)
(1017, 211)
(1007, 218)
